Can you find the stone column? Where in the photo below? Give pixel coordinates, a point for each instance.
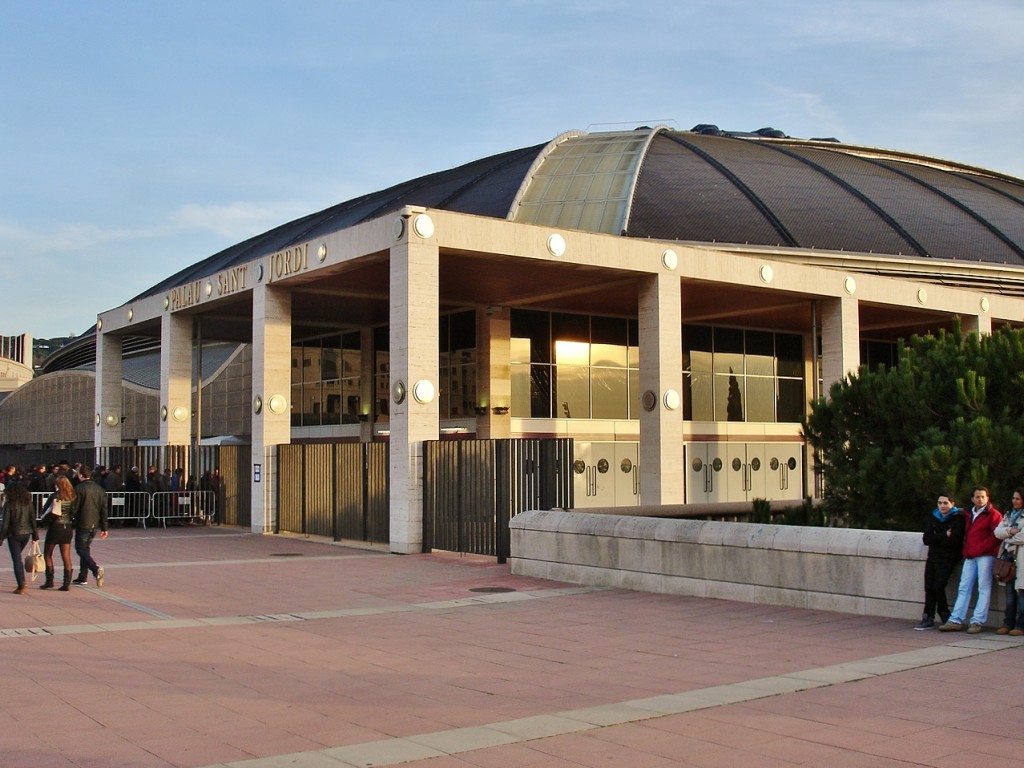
(840, 339)
(662, 474)
(493, 371)
(979, 324)
(414, 350)
(176, 379)
(271, 384)
(108, 395)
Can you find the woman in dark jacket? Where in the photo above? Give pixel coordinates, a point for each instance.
(60, 532)
(19, 524)
(944, 536)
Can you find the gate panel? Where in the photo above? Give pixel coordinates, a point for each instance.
(289, 488)
(376, 469)
(318, 481)
(235, 503)
(349, 513)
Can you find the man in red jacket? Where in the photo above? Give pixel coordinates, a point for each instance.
(980, 549)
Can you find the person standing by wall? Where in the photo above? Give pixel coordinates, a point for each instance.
(1010, 533)
(944, 537)
(90, 513)
(980, 549)
(18, 526)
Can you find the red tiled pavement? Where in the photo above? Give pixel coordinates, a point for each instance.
(345, 646)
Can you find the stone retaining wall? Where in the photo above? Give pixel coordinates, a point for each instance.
(874, 573)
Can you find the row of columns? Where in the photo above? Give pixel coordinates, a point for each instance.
(414, 354)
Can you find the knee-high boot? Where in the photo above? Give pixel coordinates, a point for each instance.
(67, 581)
(48, 584)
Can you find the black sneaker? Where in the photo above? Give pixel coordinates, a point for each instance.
(926, 623)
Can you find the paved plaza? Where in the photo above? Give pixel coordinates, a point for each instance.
(217, 647)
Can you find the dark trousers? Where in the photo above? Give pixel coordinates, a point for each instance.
(17, 545)
(83, 541)
(936, 577)
(1013, 614)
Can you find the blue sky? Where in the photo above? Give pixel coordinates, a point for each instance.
(137, 138)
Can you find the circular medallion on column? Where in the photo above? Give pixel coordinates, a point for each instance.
(672, 400)
(850, 285)
(257, 404)
(398, 228)
(766, 273)
(423, 226)
(398, 392)
(277, 404)
(321, 252)
(131, 314)
(167, 301)
(163, 413)
(669, 259)
(648, 400)
(984, 304)
(98, 419)
(180, 413)
(99, 324)
(259, 273)
(112, 420)
(423, 391)
(922, 296)
(556, 245)
(209, 288)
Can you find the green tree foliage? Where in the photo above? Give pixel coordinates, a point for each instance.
(949, 415)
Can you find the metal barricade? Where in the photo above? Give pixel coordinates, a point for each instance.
(183, 506)
(39, 502)
(128, 505)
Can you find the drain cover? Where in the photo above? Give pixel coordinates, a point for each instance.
(491, 589)
(286, 554)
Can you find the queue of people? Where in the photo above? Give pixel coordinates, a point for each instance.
(973, 538)
(74, 511)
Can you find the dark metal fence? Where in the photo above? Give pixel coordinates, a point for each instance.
(472, 488)
(334, 489)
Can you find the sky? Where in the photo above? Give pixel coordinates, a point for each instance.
(137, 138)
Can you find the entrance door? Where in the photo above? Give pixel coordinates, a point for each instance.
(783, 471)
(706, 478)
(606, 475)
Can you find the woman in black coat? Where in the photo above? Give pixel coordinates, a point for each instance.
(18, 526)
(60, 532)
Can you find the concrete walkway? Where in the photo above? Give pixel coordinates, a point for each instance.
(215, 647)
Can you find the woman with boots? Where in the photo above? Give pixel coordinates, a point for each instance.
(60, 533)
(18, 525)
(1011, 531)
(944, 537)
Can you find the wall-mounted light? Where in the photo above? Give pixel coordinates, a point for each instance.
(672, 400)
(180, 413)
(669, 259)
(423, 226)
(481, 410)
(556, 245)
(131, 314)
(163, 413)
(398, 392)
(423, 391)
(112, 420)
(257, 404)
(99, 323)
(321, 252)
(98, 419)
(277, 404)
(209, 288)
(499, 410)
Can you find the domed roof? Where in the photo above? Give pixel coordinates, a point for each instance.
(705, 185)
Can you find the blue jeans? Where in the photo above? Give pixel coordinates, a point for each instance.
(17, 544)
(83, 541)
(976, 570)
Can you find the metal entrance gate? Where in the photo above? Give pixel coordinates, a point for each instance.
(334, 489)
(472, 488)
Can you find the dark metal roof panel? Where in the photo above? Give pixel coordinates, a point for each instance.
(680, 195)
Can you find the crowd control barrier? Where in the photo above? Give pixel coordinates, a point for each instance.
(140, 506)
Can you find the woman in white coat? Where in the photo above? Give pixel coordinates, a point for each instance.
(1010, 531)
